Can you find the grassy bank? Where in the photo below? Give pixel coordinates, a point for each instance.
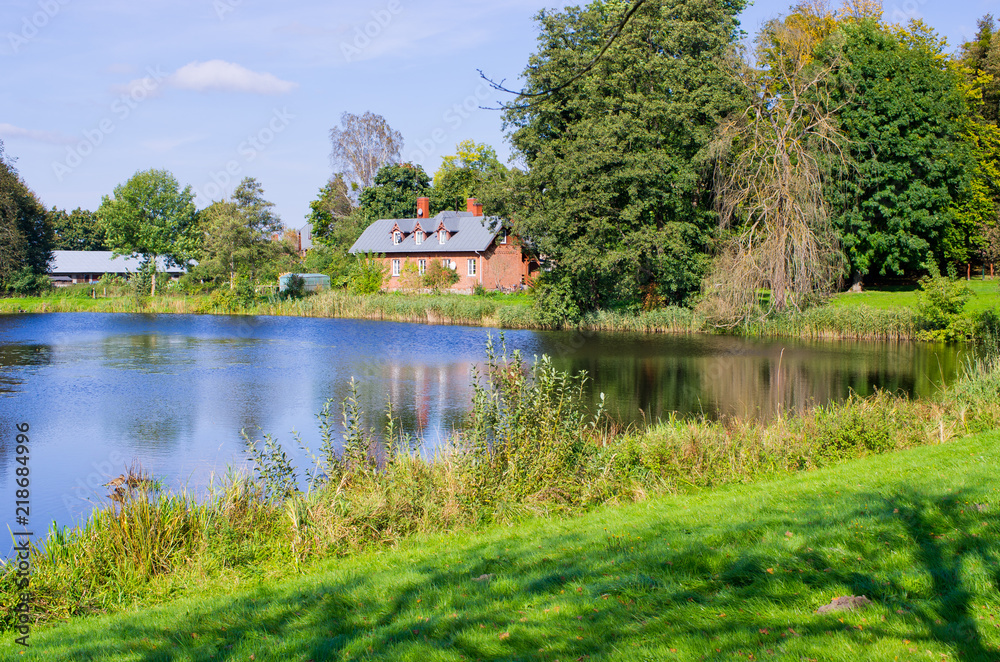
(874, 315)
(529, 451)
(986, 296)
(734, 573)
(509, 311)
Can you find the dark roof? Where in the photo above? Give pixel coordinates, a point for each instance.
(101, 262)
(468, 233)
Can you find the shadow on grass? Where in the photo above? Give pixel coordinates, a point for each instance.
(658, 588)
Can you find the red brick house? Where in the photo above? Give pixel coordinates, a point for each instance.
(476, 246)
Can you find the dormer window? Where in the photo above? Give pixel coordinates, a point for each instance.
(503, 236)
(397, 237)
(418, 237)
(442, 236)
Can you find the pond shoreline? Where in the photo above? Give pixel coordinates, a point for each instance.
(826, 322)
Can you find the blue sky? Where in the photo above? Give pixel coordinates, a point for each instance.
(216, 90)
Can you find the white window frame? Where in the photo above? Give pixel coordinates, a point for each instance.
(471, 266)
(442, 236)
(446, 263)
(503, 236)
(395, 267)
(418, 237)
(421, 266)
(397, 238)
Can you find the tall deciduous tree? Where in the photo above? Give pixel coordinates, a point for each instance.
(25, 231)
(238, 232)
(982, 57)
(150, 216)
(464, 175)
(770, 175)
(78, 230)
(894, 210)
(361, 145)
(330, 211)
(395, 191)
(980, 208)
(616, 195)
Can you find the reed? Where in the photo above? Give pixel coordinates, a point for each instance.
(849, 323)
(854, 322)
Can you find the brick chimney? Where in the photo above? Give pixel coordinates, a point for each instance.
(475, 207)
(423, 207)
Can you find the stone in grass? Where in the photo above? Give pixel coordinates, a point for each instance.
(845, 603)
(483, 578)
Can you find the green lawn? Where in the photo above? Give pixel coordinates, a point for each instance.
(986, 295)
(730, 574)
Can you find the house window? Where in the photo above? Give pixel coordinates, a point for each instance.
(397, 237)
(442, 236)
(418, 237)
(421, 266)
(446, 263)
(395, 267)
(503, 236)
(472, 267)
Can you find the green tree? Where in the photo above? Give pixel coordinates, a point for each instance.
(25, 231)
(616, 194)
(394, 192)
(465, 174)
(981, 57)
(980, 207)
(78, 230)
(330, 212)
(238, 234)
(910, 162)
(151, 217)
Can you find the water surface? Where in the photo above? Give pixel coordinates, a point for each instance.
(173, 391)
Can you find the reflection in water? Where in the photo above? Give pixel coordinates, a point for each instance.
(174, 391)
(648, 378)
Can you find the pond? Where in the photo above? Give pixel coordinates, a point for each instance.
(173, 392)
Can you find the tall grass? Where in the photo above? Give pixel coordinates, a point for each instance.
(853, 323)
(530, 448)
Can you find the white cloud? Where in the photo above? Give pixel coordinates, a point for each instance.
(11, 131)
(227, 77)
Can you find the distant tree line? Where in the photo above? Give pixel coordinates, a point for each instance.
(663, 162)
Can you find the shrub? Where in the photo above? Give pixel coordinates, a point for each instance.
(555, 305)
(438, 276)
(862, 426)
(409, 276)
(295, 288)
(26, 282)
(367, 274)
(942, 299)
(528, 429)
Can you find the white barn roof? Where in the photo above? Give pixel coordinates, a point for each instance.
(101, 262)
